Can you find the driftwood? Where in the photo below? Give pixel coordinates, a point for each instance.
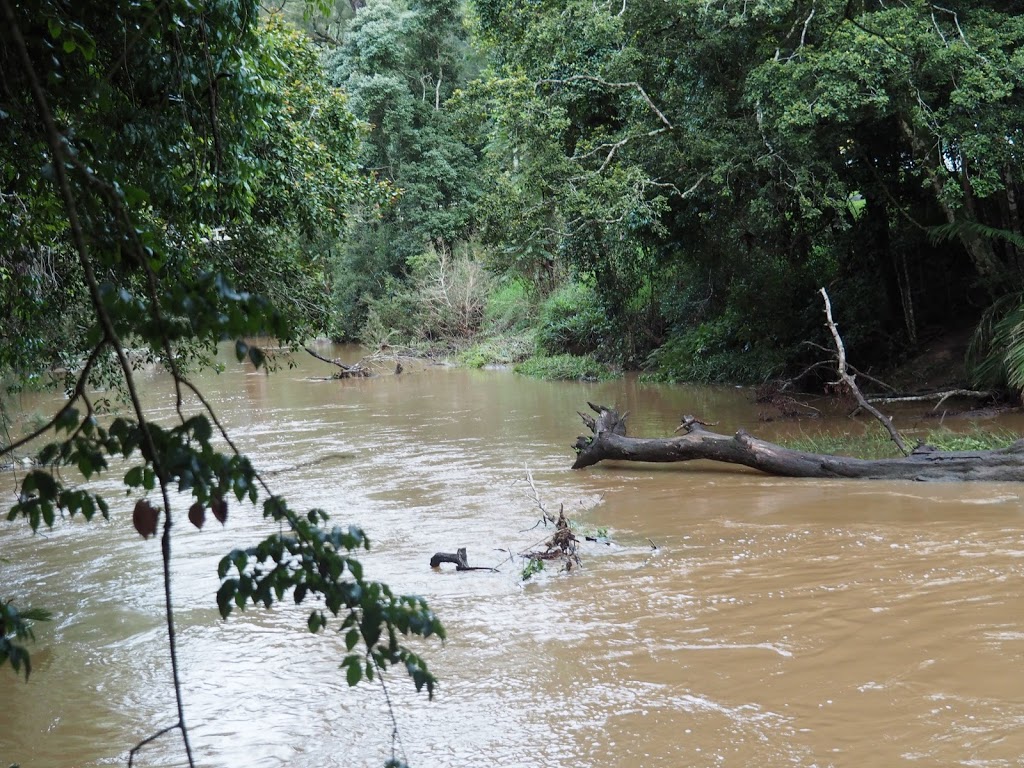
(941, 397)
(356, 370)
(609, 442)
(458, 559)
(562, 545)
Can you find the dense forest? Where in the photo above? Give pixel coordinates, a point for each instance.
(653, 186)
(665, 186)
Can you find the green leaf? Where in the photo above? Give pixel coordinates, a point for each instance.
(315, 621)
(85, 465)
(67, 420)
(133, 477)
(226, 596)
(351, 639)
(354, 673)
(257, 357)
(201, 428)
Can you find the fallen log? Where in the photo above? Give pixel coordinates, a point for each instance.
(609, 442)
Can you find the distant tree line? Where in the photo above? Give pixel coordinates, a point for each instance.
(701, 169)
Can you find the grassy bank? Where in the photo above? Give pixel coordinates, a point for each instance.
(877, 445)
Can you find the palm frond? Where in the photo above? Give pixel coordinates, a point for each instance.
(995, 356)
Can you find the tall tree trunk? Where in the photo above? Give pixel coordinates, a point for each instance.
(982, 256)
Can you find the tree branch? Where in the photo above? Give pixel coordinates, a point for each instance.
(79, 391)
(601, 81)
(848, 379)
(134, 750)
(57, 145)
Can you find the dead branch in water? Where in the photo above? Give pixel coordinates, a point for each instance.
(345, 371)
(459, 560)
(562, 545)
(546, 517)
(941, 397)
(849, 380)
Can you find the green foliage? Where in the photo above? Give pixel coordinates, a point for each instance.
(714, 164)
(499, 350)
(15, 628)
(243, 192)
(565, 368)
(311, 561)
(572, 321)
(534, 565)
(510, 306)
(872, 444)
(502, 349)
(978, 439)
(401, 64)
(876, 444)
(175, 164)
(715, 352)
(996, 354)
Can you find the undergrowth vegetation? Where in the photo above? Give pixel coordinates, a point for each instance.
(565, 367)
(875, 444)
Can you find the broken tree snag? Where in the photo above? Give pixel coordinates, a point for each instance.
(458, 559)
(847, 378)
(609, 442)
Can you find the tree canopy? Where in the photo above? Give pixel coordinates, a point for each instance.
(740, 154)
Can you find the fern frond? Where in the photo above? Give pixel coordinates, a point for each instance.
(973, 229)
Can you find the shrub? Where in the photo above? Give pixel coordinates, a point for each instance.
(572, 321)
(565, 367)
(712, 353)
(392, 318)
(443, 298)
(498, 350)
(509, 307)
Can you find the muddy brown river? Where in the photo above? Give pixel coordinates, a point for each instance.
(778, 622)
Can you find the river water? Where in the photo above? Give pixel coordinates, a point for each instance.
(777, 622)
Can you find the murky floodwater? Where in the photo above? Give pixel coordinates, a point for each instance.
(779, 622)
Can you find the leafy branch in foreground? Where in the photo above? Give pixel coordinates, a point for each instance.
(16, 626)
(131, 189)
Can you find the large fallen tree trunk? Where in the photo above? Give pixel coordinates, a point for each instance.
(610, 442)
